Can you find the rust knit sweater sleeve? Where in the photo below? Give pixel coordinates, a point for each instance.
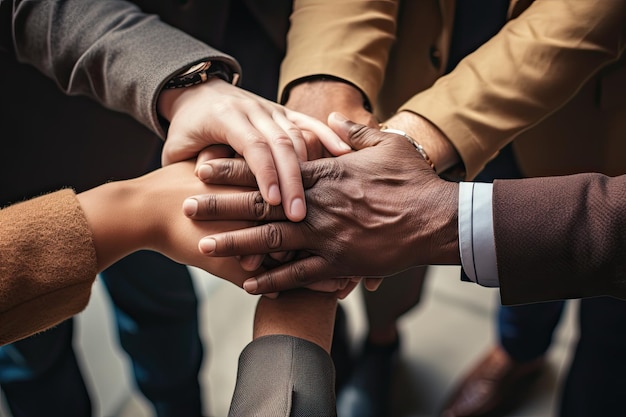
(47, 264)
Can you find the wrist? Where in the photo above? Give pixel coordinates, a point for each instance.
(285, 315)
(435, 144)
(443, 222)
(318, 97)
(109, 212)
(329, 87)
(199, 73)
(171, 100)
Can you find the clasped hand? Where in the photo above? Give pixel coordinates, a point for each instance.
(370, 213)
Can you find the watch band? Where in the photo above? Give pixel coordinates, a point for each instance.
(202, 72)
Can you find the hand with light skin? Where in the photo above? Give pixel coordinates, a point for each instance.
(383, 198)
(124, 218)
(270, 137)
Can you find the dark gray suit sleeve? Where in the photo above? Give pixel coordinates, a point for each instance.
(108, 50)
(560, 237)
(284, 376)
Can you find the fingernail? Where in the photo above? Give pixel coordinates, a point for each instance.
(251, 285)
(339, 117)
(298, 209)
(343, 145)
(207, 245)
(205, 172)
(274, 194)
(190, 207)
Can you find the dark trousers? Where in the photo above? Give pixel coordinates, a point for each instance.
(155, 309)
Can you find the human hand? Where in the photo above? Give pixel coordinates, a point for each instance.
(382, 200)
(145, 213)
(270, 137)
(316, 98)
(320, 97)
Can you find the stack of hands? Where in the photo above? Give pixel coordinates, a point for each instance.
(383, 198)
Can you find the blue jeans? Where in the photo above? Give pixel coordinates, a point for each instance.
(156, 314)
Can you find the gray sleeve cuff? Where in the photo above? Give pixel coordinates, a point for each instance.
(284, 376)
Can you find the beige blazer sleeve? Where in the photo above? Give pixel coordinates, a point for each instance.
(47, 264)
(531, 68)
(560, 237)
(348, 40)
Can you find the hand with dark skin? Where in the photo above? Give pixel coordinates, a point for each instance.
(383, 199)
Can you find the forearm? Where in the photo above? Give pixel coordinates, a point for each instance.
(116, 224)
(47, 264)
(287, 369)
(568, 244)
(318, 97)
(147, 213)
(88, 34)
(366, 31)
(301, 313)
(436, 145)
(531, 68)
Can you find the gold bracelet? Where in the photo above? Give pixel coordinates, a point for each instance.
(419, 148)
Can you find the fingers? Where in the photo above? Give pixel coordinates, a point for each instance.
(288, 148)
(226, 171)
(177, 148)
(348, 289)
(239, 206)
(357, 135)
(372, 284)
(252, 262)
(213, 152)
(330, 285)
(331, 141)
(300, 273)
(267, 238)
(235, 171)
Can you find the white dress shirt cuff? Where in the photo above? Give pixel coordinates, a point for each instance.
(476, 237)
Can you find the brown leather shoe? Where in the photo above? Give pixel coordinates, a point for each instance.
(493, 386)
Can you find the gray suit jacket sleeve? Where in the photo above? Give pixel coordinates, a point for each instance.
(560, 237)
(284, 376)
(108, 50)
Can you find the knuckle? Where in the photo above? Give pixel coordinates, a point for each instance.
(357, 130)
(229, 243)
(282, 140)
(242, 170)
(270, 282)
(295, 132)
(298, 273)
(209, 204)
(256, 140)
(225, 168)
(272, 236)
(260, 207)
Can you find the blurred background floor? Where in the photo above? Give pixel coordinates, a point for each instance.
(441, 339)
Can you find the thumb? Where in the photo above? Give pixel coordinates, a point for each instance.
(358, 136)
(174, 152)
